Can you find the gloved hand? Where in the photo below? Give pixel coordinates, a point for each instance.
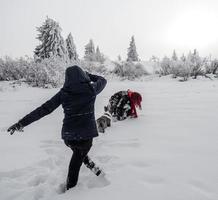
(15, 127)
(87, 76)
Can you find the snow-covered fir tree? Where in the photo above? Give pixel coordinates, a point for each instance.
(174, 56)
(195, 63)
(183, 58)
(154, 59)
(71, 48)
(52, 43)
(119, 58)
(90, 51)
(193, 57)
(99, 56)
(132, 54)
(165, 66)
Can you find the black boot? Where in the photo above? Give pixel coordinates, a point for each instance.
(92, 166)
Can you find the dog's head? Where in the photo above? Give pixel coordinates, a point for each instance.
(101, 124)
(108, 115)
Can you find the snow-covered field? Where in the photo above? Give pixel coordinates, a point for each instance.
(169, 153)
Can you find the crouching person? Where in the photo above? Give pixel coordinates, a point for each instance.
(123, 104)
(77, 98)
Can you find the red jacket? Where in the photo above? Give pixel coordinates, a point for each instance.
(135, 100)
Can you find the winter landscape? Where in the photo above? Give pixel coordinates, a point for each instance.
(169, 152)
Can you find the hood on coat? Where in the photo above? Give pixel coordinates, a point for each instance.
(76, 80)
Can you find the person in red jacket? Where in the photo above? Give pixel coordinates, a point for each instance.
(123, 104)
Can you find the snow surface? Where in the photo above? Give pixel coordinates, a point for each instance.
(169, 153)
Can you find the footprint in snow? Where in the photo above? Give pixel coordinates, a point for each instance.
(98, 182)
(44, 175)
(51, 143)
(39, 193)
(55, 150)
(14, 174)
(139, 164)
(152, 179)
(124, 144)
(38, 179)
(106, 158)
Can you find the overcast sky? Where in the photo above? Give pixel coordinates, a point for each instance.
(159, 26)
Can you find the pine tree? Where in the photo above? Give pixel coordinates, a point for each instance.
(52, 43)
(193, 57)
(90, 51)
(71, 48)
(132, 54)
(165, 66)
(195, 63)
(99, 56)
(154, 59)
(174, 56)
(183, 58)
(119, 58)
(195, 52)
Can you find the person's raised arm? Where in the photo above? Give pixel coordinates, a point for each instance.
(98, 82)
(45, 109)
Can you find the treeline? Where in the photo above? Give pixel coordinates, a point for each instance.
(54, 54)
(47, 73)
(185, 67)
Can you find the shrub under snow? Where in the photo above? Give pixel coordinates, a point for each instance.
(48, 72)
(129, 70)
(93, 67)
(39, 74)
(191, 66)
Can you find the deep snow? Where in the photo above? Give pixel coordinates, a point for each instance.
(170, 152)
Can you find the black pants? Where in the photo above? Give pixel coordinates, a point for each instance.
(80, 150)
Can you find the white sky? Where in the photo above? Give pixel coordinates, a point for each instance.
(159, 26)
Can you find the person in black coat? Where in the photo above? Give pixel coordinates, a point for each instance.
(123, 104)
(77, 98)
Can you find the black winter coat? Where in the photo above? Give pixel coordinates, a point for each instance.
(120, 106)
(77, 98)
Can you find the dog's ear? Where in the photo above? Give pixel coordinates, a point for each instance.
(108, 115)
(105, 108)
(100, 126)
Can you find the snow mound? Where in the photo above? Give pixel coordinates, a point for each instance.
(170, 152)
